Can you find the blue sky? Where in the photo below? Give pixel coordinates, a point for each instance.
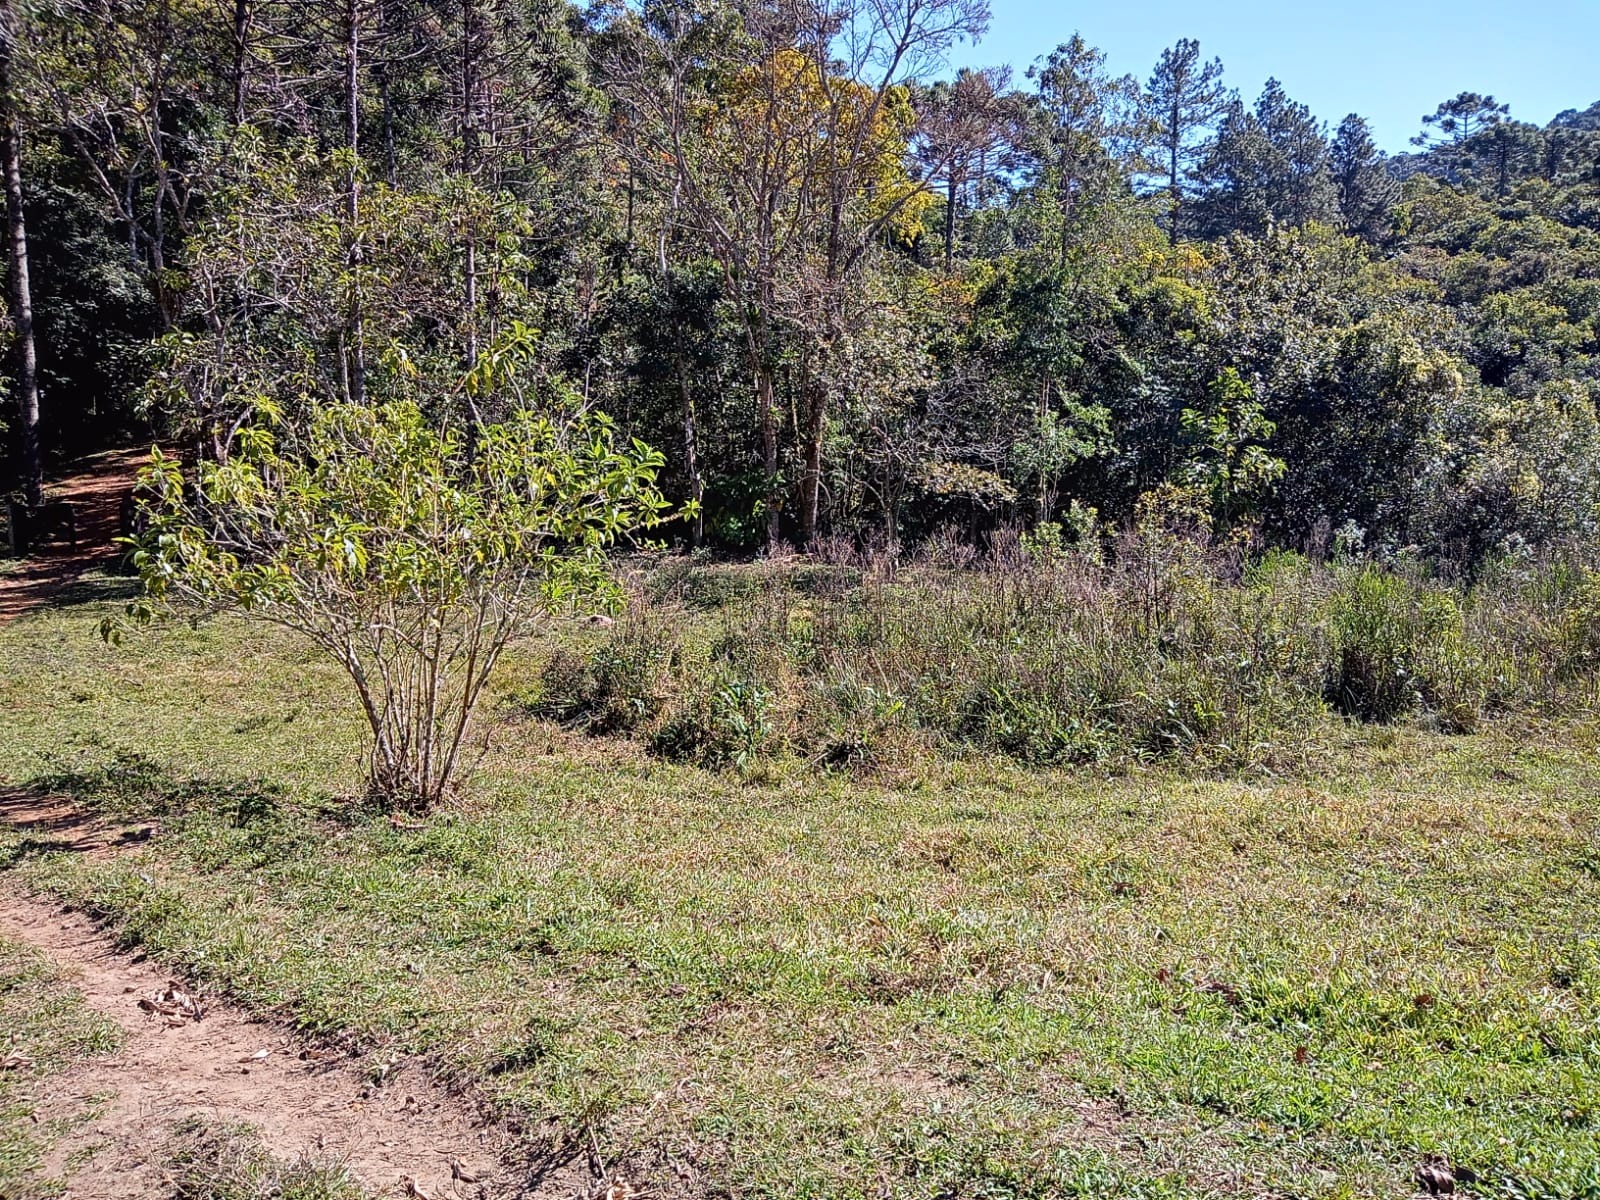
(1390, 60)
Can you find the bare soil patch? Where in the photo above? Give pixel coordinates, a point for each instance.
(95, 491)
(405, 1136)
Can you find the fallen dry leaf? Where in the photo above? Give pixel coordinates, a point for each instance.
(173, 1003)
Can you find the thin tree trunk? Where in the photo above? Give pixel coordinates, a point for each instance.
(1173, 182)
(1042, 512)
(241, 52)
(1064, 197)
(950, 219)
(469, 164)
(356, 369)
(21, 288)
(391, 170)
(691, 458)
(766, 405)
(815, 390)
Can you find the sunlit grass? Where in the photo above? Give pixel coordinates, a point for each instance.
(961, 978)
(44, 1028)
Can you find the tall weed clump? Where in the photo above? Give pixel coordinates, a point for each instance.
(1157, 645)
(1400, 646)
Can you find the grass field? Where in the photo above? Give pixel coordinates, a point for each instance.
(955, 977)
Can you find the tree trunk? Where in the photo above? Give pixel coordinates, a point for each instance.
(469, 165)
(815, 390)
(356, 365)
(21, 289)
(391, 168)
(1174, 184)
(766, 405)
(950, 219)
(691, 458)
(241, 52)
(1042, 510)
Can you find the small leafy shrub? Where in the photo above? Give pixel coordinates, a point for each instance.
(618, 686)
(1579, 636)
(726, 726)
(716, 587)
(1397, 646)
(409, 554)
(1030, 728)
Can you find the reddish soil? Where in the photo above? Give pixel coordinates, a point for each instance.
(404, 1136)
(95, 489)
(407, 1136)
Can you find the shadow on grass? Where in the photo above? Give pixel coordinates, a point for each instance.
(49, 586)
(48, 822)
(134, 788)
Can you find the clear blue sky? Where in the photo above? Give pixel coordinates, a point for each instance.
(1389, 60)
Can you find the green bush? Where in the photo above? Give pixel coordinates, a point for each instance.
(1579, 631)
(617, 686)
(728, 724)
(1399, 646)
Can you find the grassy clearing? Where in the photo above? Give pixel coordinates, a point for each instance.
(956, 977)
(1172, 650)
(44, 1028)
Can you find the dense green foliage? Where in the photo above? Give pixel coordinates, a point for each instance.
(410, 557)
(842, 299)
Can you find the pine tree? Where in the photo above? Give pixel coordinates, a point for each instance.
(1184, 98)
(1367, 191)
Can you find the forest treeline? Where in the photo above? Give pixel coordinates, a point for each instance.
(844, 291)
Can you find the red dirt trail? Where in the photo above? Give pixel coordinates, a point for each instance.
(95, 489)
(407, 1137)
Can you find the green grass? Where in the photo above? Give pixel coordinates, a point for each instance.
(44, 1028)
(959, 978)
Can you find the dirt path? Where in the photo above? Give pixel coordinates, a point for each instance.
(226, 1067)
(95, 489)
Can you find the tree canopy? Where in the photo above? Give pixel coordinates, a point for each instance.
(845, 290)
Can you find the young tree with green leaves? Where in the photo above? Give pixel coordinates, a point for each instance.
(408, 552)
(1230, 462)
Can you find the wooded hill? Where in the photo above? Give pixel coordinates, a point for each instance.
(841, 289)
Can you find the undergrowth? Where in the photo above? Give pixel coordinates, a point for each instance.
(1165, 648)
